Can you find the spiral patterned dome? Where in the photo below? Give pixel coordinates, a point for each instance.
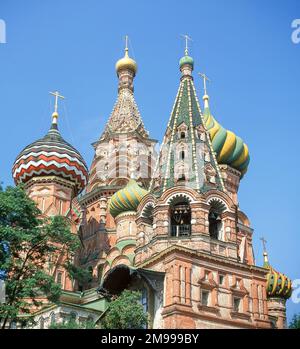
(230, 149)
(127, 199)
(51, 155)
(278, 284)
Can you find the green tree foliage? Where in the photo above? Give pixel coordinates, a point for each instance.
(83, 276)
(295, 323)
(125, 312)
(33, 244)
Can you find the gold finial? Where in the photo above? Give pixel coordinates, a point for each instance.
(187, 39)
(126, 45)
(126, 62)
(55, 113)
(266, 260)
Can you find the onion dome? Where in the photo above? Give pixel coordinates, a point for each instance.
(127, 199)
(126, 62)
(229, 148)
(278, 284)
(186, 60)
(51, 156)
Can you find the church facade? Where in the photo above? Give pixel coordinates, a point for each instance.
(165, 222)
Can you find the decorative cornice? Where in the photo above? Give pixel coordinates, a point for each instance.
(193, 253)
(230, 170)
(50, 179)
(96, 194)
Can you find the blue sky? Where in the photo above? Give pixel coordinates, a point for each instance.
(244, 47)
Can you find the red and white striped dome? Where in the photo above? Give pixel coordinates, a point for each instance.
(48, 156)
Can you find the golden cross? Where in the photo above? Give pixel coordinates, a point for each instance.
(57, 95)
(187, 39)
(205, 78)
(264, 241)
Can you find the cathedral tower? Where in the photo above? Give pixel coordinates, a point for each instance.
(124, 147)
(53, 173)
(124, 150)
(279, 289)
(190, 225)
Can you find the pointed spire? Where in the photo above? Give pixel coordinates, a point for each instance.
(55, 113)
(187, 156)
(125, 117)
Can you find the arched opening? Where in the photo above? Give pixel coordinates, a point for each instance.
(217, 207)
(148, 213)
(182, 134)
(42, 323)
(59, 278)
(181, 177)
(182, 155)
(215, 224)
(180, 219)
(52, 318)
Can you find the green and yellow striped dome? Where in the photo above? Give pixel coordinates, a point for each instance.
(230, 149)
(278, 284)
(126, 199)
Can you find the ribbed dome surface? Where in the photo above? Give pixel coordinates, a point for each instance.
(126, 63)
(127, 199)
(51, 155)
(230, 149)
(278, 284)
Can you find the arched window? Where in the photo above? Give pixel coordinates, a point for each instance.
(52, 318)
(181, 177)
(148, 213)
(42, 323)
(182, 134)
(182, 155)
(215, 225)
(59, 278)
(217, 207)
(181, 219)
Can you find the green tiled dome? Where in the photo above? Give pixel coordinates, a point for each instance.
(127, 199)
(186, 60)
